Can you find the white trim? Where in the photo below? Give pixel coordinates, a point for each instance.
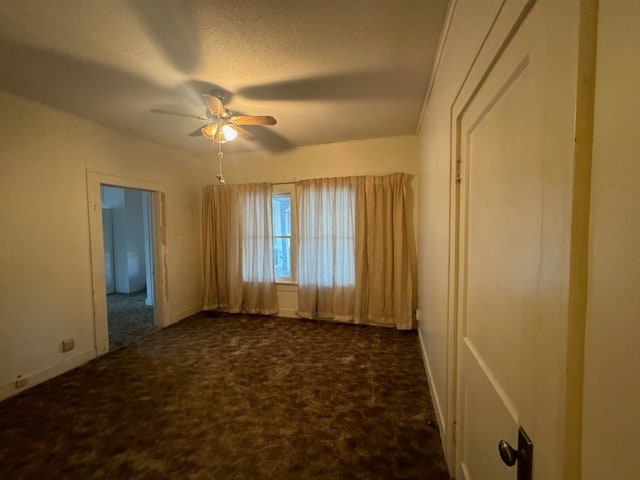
(176, 317)
(442, 425)
(289, 189)
(66, 363)
(436, 64)
(286, 287)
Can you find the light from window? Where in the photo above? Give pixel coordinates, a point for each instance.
(281, 214)
(327, 236)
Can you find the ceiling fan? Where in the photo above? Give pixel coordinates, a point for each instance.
(223, 126)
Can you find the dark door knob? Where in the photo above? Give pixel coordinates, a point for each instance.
(508, 455)
(523, 455)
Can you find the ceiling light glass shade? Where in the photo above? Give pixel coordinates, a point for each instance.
(229, 133)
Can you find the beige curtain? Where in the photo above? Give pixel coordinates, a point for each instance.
(238, 249)
(353, 247)
(383, 275)
(326, 248)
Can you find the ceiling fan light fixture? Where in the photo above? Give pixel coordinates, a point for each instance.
(229, 133)
(223, 126)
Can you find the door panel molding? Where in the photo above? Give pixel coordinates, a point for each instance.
(509, 16)
(518, 70)
(484, 368)
(499, 261)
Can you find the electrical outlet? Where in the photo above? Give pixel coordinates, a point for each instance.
(21, 382)
(68, 344)
(418, 315)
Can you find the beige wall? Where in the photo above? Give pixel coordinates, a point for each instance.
(470, 21)
(379, 156)
(611, 421)
(45, 276)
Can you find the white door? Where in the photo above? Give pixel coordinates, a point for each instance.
(515, 137)
(148, 246)
(109, 252)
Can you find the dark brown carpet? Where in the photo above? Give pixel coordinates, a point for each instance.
(129, 318)
(232, 397)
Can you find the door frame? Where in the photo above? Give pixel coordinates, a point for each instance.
(508, 19)
(109, 210)
(95, 181)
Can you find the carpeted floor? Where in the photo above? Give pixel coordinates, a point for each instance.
(129, 318)
(238, 397)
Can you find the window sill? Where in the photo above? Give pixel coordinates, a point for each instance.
(291, 287)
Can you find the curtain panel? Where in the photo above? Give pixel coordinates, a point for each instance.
(238, 249)
(326, 248)
(353, 250)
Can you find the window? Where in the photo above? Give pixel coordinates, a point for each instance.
(283, 218)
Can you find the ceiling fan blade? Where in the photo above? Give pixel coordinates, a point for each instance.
(199, 117)
(243, 133)
(214, 104)
(253, 120)
(198, 131)
(209, 130)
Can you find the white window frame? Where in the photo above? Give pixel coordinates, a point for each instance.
(289, 189)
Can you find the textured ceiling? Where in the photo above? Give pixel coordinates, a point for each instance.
(327, 70)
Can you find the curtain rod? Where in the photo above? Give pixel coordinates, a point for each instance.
(283, 183)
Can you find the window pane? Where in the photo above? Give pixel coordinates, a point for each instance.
(282, 257)
(281, 205)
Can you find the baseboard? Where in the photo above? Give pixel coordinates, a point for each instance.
(67, 363)
(176, 317)
(287, 313)
(442, 424)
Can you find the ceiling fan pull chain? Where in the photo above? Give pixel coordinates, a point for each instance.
(220, 156)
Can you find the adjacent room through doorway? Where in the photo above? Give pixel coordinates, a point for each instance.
(128, 263)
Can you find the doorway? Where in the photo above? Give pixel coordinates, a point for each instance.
(128, 263)
(128, 259)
